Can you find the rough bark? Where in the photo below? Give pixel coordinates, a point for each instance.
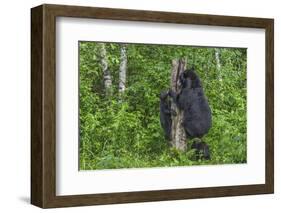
(106, 72)
(122, 69)
(178, 134)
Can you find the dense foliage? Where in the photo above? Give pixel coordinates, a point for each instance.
(123, 131)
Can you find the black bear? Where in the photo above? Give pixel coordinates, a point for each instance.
(165, 114)
(202, 150)
(197, 119)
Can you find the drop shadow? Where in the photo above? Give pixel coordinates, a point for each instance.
(25, 200)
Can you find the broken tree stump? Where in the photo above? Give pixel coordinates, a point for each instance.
(178, 135)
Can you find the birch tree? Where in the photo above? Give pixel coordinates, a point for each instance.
(218, 63)
(106, 72)
(122, 68)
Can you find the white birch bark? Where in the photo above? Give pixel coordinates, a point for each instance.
(122, 69)
(218, 63)
(106, 72)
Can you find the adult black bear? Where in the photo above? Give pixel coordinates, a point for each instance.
(197, 119)
(165, 114)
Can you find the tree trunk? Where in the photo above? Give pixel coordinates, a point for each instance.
(218, 63)
(106, 72)
(122, 69)
(178, 134)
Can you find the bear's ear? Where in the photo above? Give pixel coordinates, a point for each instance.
(190, 71)
(192, 68)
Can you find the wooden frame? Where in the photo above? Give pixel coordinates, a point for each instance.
(43, 106)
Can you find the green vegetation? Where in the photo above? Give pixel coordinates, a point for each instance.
(123, 130)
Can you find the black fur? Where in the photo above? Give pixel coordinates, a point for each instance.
(197, 118)
(202, 150)
(190, 74)
(165, 114)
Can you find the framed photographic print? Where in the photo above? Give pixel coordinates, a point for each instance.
(136, 106)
